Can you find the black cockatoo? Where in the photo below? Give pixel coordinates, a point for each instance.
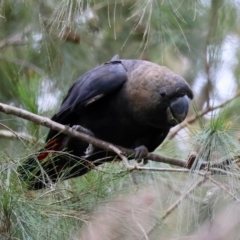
(130, 103)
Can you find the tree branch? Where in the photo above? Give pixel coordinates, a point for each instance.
(120, 151)
(9, 133)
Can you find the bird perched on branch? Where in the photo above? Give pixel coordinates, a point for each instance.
(129, 103)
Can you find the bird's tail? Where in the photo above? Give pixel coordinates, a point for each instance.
(37, 170)
(54, 163)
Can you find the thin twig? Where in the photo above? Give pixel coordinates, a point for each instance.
(9, 130)
(11, 134)
(140, 168)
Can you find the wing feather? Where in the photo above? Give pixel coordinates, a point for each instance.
(94, 85)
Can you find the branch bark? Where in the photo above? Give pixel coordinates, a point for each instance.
(120, 151)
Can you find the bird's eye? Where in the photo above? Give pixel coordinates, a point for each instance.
(163, 94)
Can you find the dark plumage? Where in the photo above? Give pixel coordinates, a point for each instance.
(130, 103)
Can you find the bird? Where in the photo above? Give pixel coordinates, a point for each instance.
(127, 102)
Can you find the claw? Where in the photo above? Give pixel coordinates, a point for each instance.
(142, 162)
(140, 155)
(79, 128)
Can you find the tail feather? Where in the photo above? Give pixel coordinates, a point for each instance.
(38, 167)
(53, 145)
(53, 163)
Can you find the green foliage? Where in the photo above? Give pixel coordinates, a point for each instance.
(46, 45)
(54, 213)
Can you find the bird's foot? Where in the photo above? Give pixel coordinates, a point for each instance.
(140, 155)
(79, 128)
(141, 162)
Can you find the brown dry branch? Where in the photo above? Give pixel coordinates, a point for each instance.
(140, 168)
(9, 133)
(13, 133)
(193, 118)
(120, 151)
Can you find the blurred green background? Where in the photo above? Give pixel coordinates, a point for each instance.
(46, 45)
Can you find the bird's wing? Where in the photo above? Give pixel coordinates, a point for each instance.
(94, 85)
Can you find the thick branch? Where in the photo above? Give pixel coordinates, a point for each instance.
(84, 137)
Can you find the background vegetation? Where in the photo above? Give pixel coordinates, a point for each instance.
(46, 45)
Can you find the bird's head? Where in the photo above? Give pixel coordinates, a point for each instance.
(175, 96)
(158, 96)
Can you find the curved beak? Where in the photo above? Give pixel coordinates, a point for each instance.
(178, 110)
